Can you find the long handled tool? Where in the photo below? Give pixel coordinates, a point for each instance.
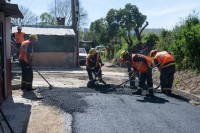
(129, 79)
(6, 122)
(50, 86)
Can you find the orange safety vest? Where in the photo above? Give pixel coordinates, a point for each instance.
(19, 38)
(88, 59)
(164, 58)
(98, 53)
(23, 51)
(140, 65)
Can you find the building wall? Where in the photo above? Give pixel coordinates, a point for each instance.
(8, 55)
(55, 59)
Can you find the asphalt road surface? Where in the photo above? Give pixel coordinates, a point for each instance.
(95, 110)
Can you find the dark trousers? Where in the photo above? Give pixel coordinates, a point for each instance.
(89, 71)
(18, 45)
(27, 75)
(167, 76)
(146, 76)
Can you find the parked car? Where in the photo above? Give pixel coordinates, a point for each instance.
(82, 55)
(100, 47)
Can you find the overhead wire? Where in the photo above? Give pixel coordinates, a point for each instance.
(40, 4)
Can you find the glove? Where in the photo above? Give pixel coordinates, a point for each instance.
(148, 68)
(102, 64)
(132, 77)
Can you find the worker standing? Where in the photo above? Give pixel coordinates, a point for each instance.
(19, 37)
(142, 64)
(166, 65)
(25, 60)
(92, 66)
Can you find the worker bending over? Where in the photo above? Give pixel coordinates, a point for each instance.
(142, 64)
(92, 65)
(25, 60)
(166, 65)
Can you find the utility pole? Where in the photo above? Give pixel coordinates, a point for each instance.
(55, 9)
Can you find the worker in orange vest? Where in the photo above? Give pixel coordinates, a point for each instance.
(92, 65)
(99, 57)
(19, 37)
(142, 64)
(25, 60)
(166, 65)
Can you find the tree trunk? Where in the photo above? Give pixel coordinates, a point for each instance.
(112, 54)
(147, 23)
(108, 54)
(137, 34)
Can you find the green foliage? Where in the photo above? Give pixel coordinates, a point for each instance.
(184, 42)
(47, 19)
(197, 71)
(191, 73)
(159, 74)
(177, 81)
(122, 21)
(152, 38)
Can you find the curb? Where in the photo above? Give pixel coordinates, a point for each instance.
(187, 96)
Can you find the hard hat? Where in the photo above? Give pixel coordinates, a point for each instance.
(19, 27)
(92, 51)
(34, 36)
(152, 52)
(123, 53)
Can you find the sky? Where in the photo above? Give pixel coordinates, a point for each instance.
(160, 13)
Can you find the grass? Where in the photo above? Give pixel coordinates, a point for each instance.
(158, 74)
(177, 81)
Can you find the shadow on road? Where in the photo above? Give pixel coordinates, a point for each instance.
(154, 99)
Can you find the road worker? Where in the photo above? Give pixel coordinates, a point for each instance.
(25, 60)
(142, 64)
(99, 57)
(19, 37)
(92, 65)
(166, 65)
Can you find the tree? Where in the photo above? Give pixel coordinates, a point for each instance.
(47, 19)
(121, 22)
(105, 34)
(29, 17)
(62, 8)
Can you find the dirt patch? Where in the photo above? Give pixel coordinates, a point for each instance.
(187, 81)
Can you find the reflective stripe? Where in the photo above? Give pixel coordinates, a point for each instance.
(169, 64)
(92, 68)
(130, 71)
(150, 88)
(139, 65)
(160, 58)
(28, 82)
(168, 88)
(23, 49)
(23, 81)
(139, 88)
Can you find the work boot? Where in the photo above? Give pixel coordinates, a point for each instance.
(138, 92)
(29, 87)
(150, 93)
(163, 90)
(101, 81)
(169, 91)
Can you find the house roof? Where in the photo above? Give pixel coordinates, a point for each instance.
(46, 31)
(10, 9)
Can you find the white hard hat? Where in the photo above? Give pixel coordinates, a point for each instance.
(19, 27)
